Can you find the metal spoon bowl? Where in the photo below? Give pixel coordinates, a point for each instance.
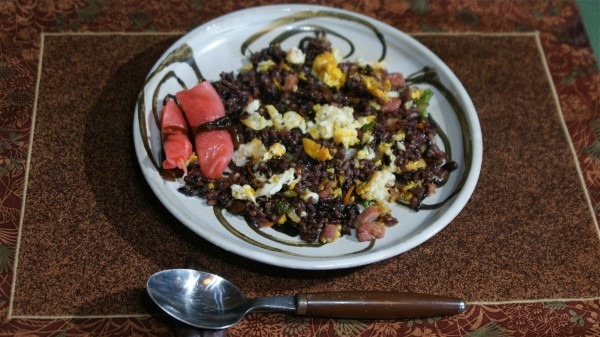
(208, 301)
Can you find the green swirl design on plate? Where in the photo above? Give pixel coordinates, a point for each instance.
(430, 76)
(312, 28)
(183, 54)
(218, 211)
(309, 14)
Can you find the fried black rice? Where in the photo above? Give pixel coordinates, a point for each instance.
(336, 180)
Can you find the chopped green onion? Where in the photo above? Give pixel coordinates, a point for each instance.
(290, 194)
(282, 206)
(368, 126)
(423, 102)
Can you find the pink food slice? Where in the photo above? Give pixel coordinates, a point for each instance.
(391, 105)
(177, 149)
(172, 120)
(201, 104)
(370, 214)
(330, 233)
(370, 231)
(214, 149)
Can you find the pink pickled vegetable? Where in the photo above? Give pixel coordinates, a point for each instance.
(172, 120)
(176, 144)
(177, 149)
(201, 104)
(214, 150)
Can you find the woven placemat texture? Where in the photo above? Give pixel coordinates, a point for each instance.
(93, 232)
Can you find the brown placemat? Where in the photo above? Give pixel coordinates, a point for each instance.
(93, 232)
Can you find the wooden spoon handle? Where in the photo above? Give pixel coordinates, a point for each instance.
(376, 304)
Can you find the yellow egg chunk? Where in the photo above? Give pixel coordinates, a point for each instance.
(255, 151)
(245, 192)
(377, 188)
(315, 150)
(416, 93)
(326, 69)
(276, 182)
(256, 122)
(415, 165)
(295, 56)
(333, 122)
(265, 65)
(378, 88)
(287, 121)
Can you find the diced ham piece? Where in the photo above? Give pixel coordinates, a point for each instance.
(172, 120)
(201, 104)
(291, 81)
(177, 149)
(396, 80)
(370, 214)
(370, 231)
(330, 233)
(214, 150)
(367, 228)
(391, 105)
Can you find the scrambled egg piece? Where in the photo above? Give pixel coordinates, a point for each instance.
(191, 159)
(295, 56)
(252, 106)
(276, 182)
(287, 121)
(416, 93)
(415, 165)
(272, 186)
(378, 88)
(245, 192)
(367, 137)
(377, 65)
(399, 136)
(315, 150)
(265, 65)
(255, 151)
(406, 195)
(247, 67)
(377, 188)
(363, 120)
(333, 122)
(255, 120)
(277, 149)
(325, 67)
(308, 194)
(385, 148)
(366, 153)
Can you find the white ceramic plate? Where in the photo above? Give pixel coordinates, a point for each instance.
(223, 44)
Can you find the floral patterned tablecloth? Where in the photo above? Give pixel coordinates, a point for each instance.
(571, 62)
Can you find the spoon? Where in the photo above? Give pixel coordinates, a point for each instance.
(208, 301)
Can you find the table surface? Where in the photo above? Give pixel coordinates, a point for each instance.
(590, 13)
(81, 231)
